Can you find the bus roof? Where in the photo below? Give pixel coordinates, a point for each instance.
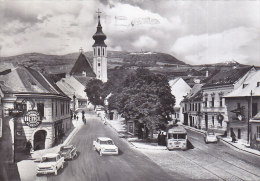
(177, 129)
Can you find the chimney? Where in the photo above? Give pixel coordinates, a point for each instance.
(207, 73)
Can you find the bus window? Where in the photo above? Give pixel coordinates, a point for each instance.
(172, 136)
(182, 136)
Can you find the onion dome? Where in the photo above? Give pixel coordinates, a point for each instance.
(99, 36)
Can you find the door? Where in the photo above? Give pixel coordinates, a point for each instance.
(254, 109)
(39, 140)
(239, 133)
(206, 121)
(185, 119)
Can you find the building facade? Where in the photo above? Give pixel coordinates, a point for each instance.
(255, 132)
(191, 107)
(214, 107)
(35, 109)
(100, 53)
(179, 88)
(243, 104)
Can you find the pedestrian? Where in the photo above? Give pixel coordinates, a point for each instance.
(233, 136)
(28, 147)
(77, 118)
(159, 138)
(74, 116)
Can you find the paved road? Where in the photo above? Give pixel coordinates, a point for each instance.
(208, 161)
(130, 165)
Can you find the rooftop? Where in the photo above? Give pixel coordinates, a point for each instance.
(227, 77)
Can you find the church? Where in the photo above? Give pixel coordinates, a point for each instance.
(74, 83)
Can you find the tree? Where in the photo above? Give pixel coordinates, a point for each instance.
(144, 98)
(94, 90)
(97, 91)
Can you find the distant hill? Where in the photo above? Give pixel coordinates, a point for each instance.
(121, 63)
(55, 64)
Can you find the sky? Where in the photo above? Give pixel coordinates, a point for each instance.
(193, 31)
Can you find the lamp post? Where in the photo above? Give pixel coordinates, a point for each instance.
(74, 103)
(251, 115)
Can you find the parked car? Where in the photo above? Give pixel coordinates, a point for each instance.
(50, 163)
(104, 146)
(210, 137)
(68, 152)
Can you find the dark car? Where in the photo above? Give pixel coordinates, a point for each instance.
(68, 152)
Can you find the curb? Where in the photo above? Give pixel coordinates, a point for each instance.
(220, 138)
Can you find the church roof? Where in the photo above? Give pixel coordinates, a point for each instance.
(82, 65)
(99, 36)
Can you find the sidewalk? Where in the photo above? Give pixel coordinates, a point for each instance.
(120, 127)
(240, 145)
(27, 168)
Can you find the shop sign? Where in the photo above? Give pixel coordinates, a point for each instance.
(32, 118)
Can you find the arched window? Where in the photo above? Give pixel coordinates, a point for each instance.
(98, 51)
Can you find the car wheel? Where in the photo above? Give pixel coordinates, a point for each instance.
(56, 171)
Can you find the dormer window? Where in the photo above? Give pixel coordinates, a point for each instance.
(244, 85)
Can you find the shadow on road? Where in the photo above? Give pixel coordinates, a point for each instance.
(189, 145)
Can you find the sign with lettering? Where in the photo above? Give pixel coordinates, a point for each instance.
(32, 118)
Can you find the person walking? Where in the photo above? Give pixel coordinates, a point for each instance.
(233, 136)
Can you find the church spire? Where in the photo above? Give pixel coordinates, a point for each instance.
(99, 36)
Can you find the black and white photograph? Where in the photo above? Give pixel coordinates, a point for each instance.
(129, 90)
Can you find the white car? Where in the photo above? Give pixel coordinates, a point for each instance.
(105, 146)
(210, 137)
(50, 163)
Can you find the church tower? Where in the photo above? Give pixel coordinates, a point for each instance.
(100, 53)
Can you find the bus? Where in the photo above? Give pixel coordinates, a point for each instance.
(176, 138)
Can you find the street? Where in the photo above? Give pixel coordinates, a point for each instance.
(130, 164)
(208, 161)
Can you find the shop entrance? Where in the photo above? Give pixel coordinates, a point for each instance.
(39, 140)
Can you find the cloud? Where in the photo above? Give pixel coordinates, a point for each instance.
(219, 47)
(144, 42)
(189, 30)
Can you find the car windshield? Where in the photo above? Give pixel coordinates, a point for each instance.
(108, 142)
(65, 148)
(48, 159)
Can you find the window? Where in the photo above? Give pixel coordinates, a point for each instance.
(103, 51)
(56, 108)
(258, 132)
(212, 101)
(98, 51)
(254, 109)
(220, 102)
(244, 85)
(199, 107)
(20, 106)
(213, 120)
(94, 51)
(99, 64)
(185, 107)
(206, 102)
(258, 84)
(52, 108)
(40, 109)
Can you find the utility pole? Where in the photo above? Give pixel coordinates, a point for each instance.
(251, 115)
